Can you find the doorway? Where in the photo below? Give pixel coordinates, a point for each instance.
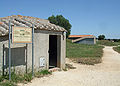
(53, 51)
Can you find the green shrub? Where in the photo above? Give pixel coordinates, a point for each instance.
(1, 78)
(42, 73)
(16, 78)
(28, 77)
(7, 83)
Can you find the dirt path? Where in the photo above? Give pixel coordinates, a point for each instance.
(106, 73)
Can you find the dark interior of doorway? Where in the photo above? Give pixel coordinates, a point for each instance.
(52, 51)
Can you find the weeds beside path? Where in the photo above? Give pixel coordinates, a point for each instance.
(117, 49)
(21, 78)
(106, 73)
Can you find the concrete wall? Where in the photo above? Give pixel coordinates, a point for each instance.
(41, 46)
(63, 50)
(86, 41)
(22, 53)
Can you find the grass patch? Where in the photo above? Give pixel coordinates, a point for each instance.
(17, 78)
(108, 43)
(7, 83)
(117, 49)
(83, 53)
(27, 77)
(42, 73)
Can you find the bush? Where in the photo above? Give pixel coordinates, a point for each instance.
(7, 83)
(42, 73)
(28, 77)
(107, 43)
(45, 72)
(20, 78)
(101, 37)
(1, 78)
(16, 78)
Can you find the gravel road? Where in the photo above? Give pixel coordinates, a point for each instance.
(106, 73)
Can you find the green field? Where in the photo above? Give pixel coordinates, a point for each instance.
(83, 53)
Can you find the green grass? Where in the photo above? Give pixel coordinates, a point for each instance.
(75, 50)
(107, 43)
(42, 73)
(83, 53)
(117, 49)
(27, 77)
(7, 83)
(17, 78)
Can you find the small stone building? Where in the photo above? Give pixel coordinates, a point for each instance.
(49, 45)
(83, 39)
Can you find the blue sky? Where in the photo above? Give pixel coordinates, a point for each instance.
(93, 17)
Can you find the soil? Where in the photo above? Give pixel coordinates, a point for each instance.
(106, 73)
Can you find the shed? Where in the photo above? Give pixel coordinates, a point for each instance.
(49, 45)
(83, 39)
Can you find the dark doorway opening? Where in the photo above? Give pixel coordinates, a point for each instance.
(52, 51)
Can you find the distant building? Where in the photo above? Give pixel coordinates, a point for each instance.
(83, 39)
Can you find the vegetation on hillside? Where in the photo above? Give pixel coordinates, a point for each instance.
(101, 37)
(83, 53)
(107, 43)
(117, 49)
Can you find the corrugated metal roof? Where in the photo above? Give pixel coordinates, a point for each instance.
(26, 21)
(74, 36)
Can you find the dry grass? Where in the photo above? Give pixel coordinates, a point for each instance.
(88, 61)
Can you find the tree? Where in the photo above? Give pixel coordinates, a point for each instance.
(101, 37)
(61, 21)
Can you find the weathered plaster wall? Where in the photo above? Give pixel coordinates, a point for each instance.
(63, 50)
(41, 45)
(22, 53)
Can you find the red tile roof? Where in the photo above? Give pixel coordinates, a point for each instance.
(72, 36)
